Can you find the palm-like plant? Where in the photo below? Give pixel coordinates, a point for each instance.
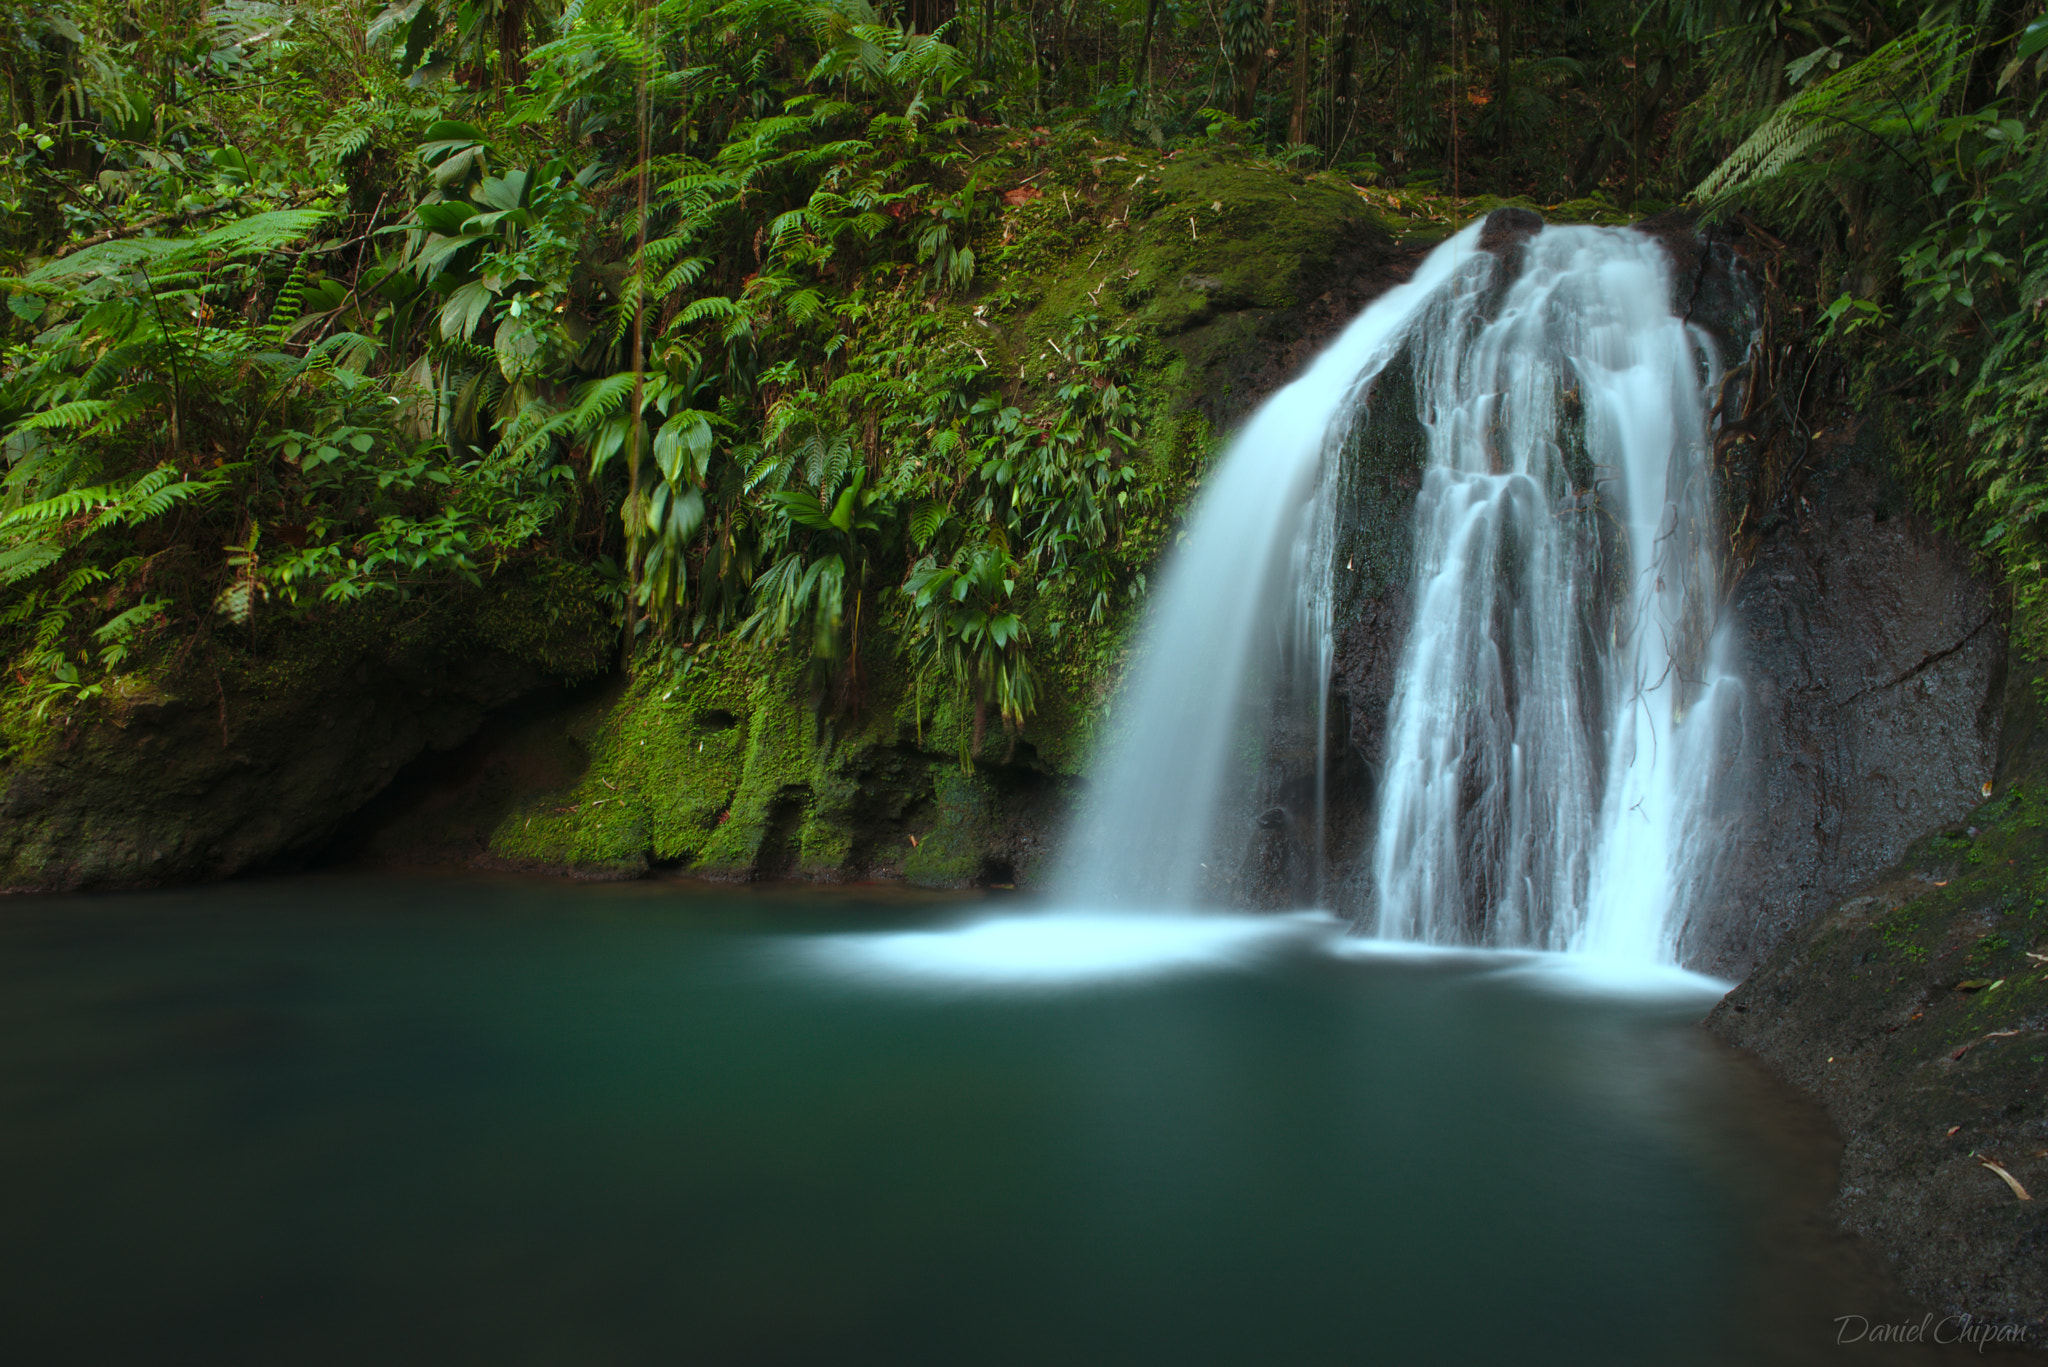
(965, 625)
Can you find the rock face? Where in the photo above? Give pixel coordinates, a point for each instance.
(1230, 274)
(1874, 665)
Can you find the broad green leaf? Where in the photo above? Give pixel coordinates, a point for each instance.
(445, 216)
(2033, 39)
(465, 309)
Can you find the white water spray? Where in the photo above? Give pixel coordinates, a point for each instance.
(1550, 749)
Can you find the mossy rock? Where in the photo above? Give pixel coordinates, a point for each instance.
(247, 752)
(725, 770)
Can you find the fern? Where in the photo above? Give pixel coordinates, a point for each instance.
(926, 521)
(268, 231)
(1907, 79)
(148, 496)
(28, 560)
(78, 413)
(114, 634)
(291, 295)
(710, 306)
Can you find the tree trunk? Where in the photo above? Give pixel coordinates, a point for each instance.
(1251, 63)
(1144, 72)
(1297, 115)
(1646, 118)
(1037, 71)
(925, 16)
(1503, 73)
(1342, 102)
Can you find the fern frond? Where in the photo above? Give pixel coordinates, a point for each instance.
(269, 231)
(290, 298)
(711, 306)
(30, 558)
(1913, 72)
(77, 413)
(123, 625)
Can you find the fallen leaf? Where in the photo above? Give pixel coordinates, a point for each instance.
(1952, 1131)
(2010, 1180)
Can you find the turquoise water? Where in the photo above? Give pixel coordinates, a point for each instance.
(351, 1120)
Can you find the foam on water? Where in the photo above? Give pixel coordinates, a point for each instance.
(1082, 948)
(1052, 949)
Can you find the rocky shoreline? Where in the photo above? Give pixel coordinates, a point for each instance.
(1916, 1011)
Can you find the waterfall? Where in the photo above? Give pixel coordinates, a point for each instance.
(1147, 828)
(1550, 751)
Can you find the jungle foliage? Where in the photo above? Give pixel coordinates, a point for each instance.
(312, 302)
(1906, 153)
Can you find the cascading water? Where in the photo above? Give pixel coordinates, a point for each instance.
(1549, 754)
(1144, 834)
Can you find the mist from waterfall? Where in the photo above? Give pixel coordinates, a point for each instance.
(1550, 751)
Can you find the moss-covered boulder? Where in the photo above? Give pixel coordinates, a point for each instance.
(237, 754)
(722, 769)
(1229, 272)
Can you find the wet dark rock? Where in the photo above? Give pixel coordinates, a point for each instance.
(1506, 229)
(1277, 870)
(1874, 669)
(1252, 352)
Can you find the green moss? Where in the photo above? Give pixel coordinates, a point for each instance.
(1161, 245)
(774, 790)
(950, 854)
(1901, 932)
(666, 763)
(724, 768)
